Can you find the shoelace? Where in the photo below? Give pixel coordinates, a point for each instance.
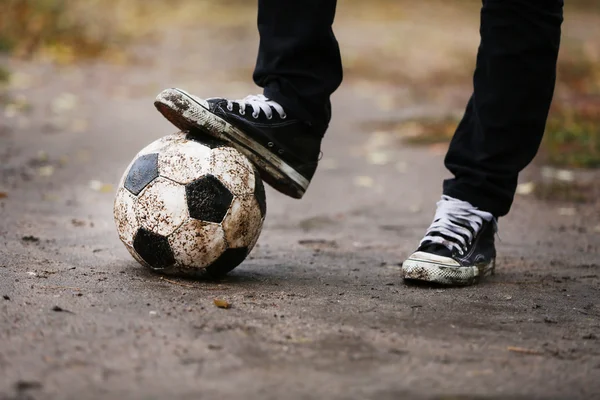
(451, 220)
(258, 102)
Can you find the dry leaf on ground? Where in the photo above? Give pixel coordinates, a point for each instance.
(47, 170)
(100, 187)
(522, 350)
(221, 303)
(525, 189)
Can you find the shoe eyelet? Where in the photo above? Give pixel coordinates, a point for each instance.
(255, 116)
(269, 117)
(284, 116)
(270, 144)
(280, 151)
(229, 107)
(242, 112)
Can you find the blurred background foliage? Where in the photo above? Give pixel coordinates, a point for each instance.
(67, 31)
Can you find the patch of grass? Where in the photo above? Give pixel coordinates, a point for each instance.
(579, 68)
(564, 191)
(4, 75)
(56, 25)
(572, 136)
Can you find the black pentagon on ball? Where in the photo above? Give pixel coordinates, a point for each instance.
(226, 262)
(204, 139)
(208, 199)
(143, 171)
(259, 194)
(154, 249)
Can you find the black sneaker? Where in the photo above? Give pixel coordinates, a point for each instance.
(458, 248)
(284, 149)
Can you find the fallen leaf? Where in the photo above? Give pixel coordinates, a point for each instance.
(300, 340)
(46, 170)
(523, 351)
(222, 303)
(3, 195)
(64, 102)
(30, 238)
(378, 158)
(525, 189)
(100, 187)
(565, 175)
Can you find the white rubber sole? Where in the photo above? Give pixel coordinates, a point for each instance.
(426, 267)
(187, 112)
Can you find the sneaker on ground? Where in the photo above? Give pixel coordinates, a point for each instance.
(458, 248)
(285, 150)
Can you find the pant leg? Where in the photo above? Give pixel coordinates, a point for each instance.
(505, 118)
(299, 63)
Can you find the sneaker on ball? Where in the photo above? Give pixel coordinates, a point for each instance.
(458, 248)
(285, 150)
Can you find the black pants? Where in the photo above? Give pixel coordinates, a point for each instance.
(299, 66)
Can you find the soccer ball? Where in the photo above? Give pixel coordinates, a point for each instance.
(190, 205)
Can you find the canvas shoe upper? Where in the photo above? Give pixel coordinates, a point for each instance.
(458, 248)
(285, 149)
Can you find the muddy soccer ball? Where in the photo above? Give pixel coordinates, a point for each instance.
(190, 206)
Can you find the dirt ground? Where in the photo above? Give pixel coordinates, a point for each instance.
(319, 309)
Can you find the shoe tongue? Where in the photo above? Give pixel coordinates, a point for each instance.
(435, 248)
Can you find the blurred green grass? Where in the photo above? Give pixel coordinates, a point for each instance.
(65, 31)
